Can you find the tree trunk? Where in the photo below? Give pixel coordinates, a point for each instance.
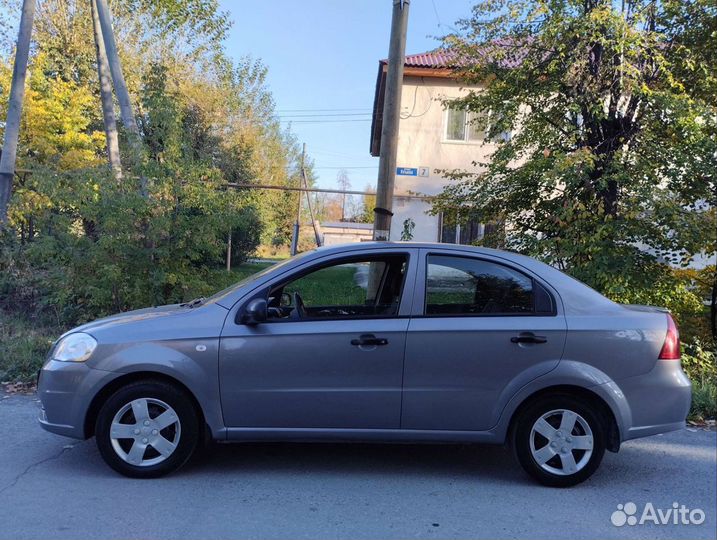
(14, 109)
(125, 104)
(108, 110)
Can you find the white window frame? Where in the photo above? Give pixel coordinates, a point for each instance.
(505, 136)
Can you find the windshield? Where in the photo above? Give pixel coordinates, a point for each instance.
(254, 277)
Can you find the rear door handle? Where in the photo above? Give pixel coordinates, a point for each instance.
(528, 337)
(369, 339)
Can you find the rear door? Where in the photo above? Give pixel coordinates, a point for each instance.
(481, 328)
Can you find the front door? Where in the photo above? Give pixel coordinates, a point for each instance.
(481, 330)
(331, 353)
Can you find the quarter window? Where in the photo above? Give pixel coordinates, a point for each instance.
(466, 286)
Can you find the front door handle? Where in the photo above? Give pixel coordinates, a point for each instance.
(528, 337)
(369, 339)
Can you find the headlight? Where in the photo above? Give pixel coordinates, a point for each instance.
(75, 348)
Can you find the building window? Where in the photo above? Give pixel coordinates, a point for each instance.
(454, 231)
(461, 125)
(464, 126)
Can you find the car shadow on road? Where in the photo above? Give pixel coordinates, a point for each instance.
(361, 459)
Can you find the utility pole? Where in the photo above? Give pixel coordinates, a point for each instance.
(14, 108)
(391, 118)
(108, 109)
(295, 235)
(125, 103)
(317, 236)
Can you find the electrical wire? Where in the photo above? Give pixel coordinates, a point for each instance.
(326, 121)
(320, 115)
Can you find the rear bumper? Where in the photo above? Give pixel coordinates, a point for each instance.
(659, 400)
(66, 390)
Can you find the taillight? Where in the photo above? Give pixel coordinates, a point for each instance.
(671, 347)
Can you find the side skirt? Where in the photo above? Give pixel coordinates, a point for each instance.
(362, 435)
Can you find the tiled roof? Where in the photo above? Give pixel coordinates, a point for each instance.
(435, 59)
(430, 59)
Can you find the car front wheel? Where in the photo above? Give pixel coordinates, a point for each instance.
(147, 429)
(559, 440)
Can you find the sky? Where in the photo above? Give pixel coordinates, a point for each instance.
(322, 57)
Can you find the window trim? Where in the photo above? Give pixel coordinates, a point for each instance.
(364, 257)
(466, 140)
(505, 136)
(533, 279)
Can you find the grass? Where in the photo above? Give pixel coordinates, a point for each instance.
(23, 347)
(704, 400)
(330, 286)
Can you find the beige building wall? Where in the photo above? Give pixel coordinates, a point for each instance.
(422, 145)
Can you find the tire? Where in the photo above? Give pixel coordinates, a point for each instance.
(553, 456)
(147, 429)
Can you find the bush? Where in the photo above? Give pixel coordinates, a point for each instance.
(24, 346)
(99, 248)
(700, 364)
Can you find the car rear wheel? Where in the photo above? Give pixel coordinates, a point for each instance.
(559, 440)
(147, 429)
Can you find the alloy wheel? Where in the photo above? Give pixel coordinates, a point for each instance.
(561, 442)
(145, 432)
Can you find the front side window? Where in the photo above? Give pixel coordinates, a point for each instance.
(466, 286)
(350, 289)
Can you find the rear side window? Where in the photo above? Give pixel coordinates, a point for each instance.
(467, 286)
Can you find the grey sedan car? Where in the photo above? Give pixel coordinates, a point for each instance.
(375, 342)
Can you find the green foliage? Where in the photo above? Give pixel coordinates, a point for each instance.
(24, 346)
(704, 400)
(81, 244)
(407, 231)
(609, 173)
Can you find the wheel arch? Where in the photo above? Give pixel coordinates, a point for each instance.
(580, 392)
(127, 378)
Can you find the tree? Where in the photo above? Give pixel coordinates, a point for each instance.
(368, 204)
(609, 172)
(344, 184)
(14, 109)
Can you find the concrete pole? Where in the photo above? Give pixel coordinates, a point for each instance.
(295, 235)
(391, 118)
(108, 109)
(125, 103)
(14, 107)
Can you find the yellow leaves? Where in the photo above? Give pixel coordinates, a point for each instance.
(56, 119)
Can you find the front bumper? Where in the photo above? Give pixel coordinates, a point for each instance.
(66, 390)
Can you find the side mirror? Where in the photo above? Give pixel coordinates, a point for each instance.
(255, 312)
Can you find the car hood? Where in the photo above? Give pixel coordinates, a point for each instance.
(135, 316)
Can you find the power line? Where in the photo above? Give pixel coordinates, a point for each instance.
(326, 121)
(321, 110)
(354, 167)
(320, 115)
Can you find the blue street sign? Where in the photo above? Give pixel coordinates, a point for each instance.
(407, 171)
